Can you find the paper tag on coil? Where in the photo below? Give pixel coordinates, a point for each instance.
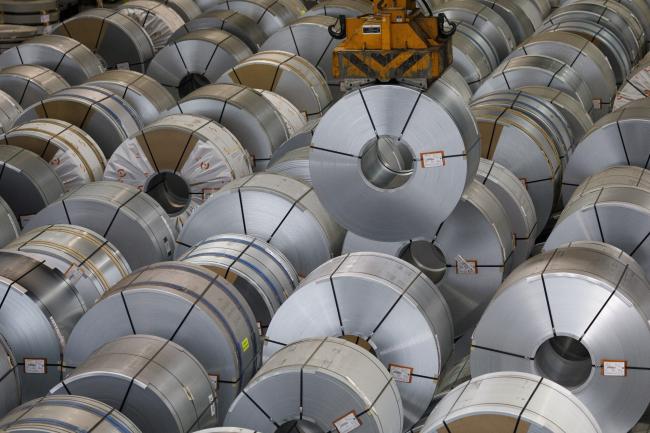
(123, 66)
(401, 373)
(213, 407)
(466, 266)
(259, 328)
(35, 365)
(214, 381)
(347, 423)
(45, 18)
(614, 368)
(524, 182)
(432, 159)
(597, 104)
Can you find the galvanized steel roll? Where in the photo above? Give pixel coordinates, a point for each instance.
(407, 311)
(9, 379)
(514, 16)
(506, 401)
(269, 15)
(37, 13)
(301, 139)
(73, 155)
(636, 85)
(334, 8)
(105, 116)
(261, 273)
(180, 161)
(14, 34)
(473, 55)
(186, 9)
(294, 119)
(381, 149)
(280, 210)
(10, 110)
(255, 121)
(9, 227)
(329, 384)
(28, 84)
(453, 80)
(154, 382)
(127, 217)
(159, 20)
(294, 163)
(88, 261)
(577, 315)
(535, 10)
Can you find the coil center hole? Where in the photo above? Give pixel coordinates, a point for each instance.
(170, 191)
(564, 360)
(386, 162)
(427, 257)
(190, 83)
(299, 426)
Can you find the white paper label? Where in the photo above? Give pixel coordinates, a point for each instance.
(432, 159)
(124, 66)
(614, 368)
(45, 18)
(597, 104)
(465, 266)
(401, 373)
(347, 424)
(35, 366)
(259, 328)
(213, 407)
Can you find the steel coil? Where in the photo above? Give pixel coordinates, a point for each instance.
(567, 315)
(127, 217)
(233, 22)
(39, 13)
(407, 311)
(636, 85)
(404, 144)
(9, 379)
(66, 414)
(328, 384)
(74, 156)
(147, 97)
(119, 41)
(154, 382)
(255, 121)
(535, 10)
(28, 84)
(14, 34)
(186, 9)
(179, 160)
(301, 139)
(259, 271)
(159, 20)
(618, 138)
(582, 56)
(453, 79)
(473, 54)
(294, 119)
(9, 228)
(280, 210)
(105, 116)
(514, 16)
(506, 401)
(294, 163)
(10, 110)
(88, 262)
(335, 8)
(269, 15)
(38, 311)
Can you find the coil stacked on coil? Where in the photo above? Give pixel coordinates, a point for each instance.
(194, 307)
(154, 382)
(36, 13)
(269, 15)
(10, 110)
(159, 20)
(9, 379)
(636, 86)
(9, 227)
(342, 385)
(28, 84)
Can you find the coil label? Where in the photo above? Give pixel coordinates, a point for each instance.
(614, 368)
(466, 266)
(432, 159)
(401, 373)
(35, 365)
(347, 423)
(213, 408)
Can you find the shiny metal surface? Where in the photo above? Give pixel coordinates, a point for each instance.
(159, 20)
(180, 161)
(154, 382)
(196, 59)
(186, 9)
(453, 80)
(10, 382)
(563, 314)
(301, 139)
(293, 164)
(10, 110)
(334, 8)
(474, 56)
(280, 210)
(118, 40)
(506, 401)
(105, 116)
(65, 56)
(9, 227)
(294, 119)
(245, 112)
(287, 74)
(38, 13)
(371, 159)
(259, 271)
(191, 305)
(636, 85)
(320, 381)
(15, 34)
(535, 10)
(28, 84)
(384, 302)
(514, 16)
(72, 154)
(66, 414)
(87, 261)
(269, 15)
(127, 217)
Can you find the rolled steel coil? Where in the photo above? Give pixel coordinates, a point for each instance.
(28, 84)
(280, 210)
(74, 156)
(203, 313)
(535, 10)
(10, 110)
(334, 8)
(9, 379)
(473, 54)
(618, 138)
(301, 139)
(636, 85)
(38, 13)
(521, 145)
(407, 311)
(611, 206)
(66, 414)
(197, 59)
(179, 160)
(287, 74)
(567, 315)
(38, 311)
(255, 121)
(118, 40)
(403, 142)
(582, 56)
(154, 382)
(259, 271)
(468, 258)
(28, 183)
(516, 202)
(343, 385)
(186, 9)
(544, 7)
(105, 116)
(9, 228)
(537, 70)
(485, 20)
(88, 262)
(453, 79)
(147, 96)
(71, 59)
(233, 22)
(509, 400)
(514, 16)
(269, 15)
(127, 217)
(293, 164)
(159, 20)
(294, 119)
(14, 34)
